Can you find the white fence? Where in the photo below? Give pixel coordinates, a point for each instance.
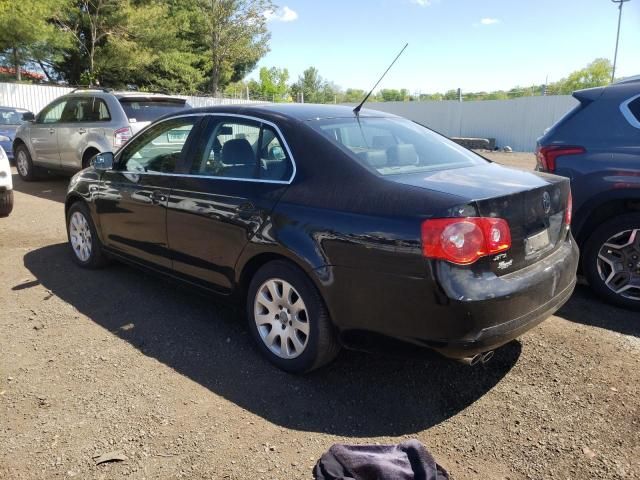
(516, 123)
(36, 97)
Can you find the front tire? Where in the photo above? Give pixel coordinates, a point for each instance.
(6, 203)
(289, 320)
(24, 164)
(611, 260)
(86, 249)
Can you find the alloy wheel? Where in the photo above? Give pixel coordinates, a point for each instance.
(22, 164)
(619, 264)
(80, 236)
(281, 318)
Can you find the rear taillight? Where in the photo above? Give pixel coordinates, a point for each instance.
(546, 156)
(121, 136)
(568, 212)
(464, 240)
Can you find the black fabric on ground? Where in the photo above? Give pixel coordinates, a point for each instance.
(406, 461)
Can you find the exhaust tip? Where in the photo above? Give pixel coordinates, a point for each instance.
(471, 361)
(487, 356)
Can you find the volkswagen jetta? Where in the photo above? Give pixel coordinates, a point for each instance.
(331, 225)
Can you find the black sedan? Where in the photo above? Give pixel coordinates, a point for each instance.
(332, 227)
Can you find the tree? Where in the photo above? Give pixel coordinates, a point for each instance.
(25, 31)
(273, 84)
(308, 87)
(234, 35)
(596, 74)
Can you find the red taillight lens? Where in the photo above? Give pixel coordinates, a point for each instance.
(464, 240)
(546, 156)
(121, 136)
(568, 213)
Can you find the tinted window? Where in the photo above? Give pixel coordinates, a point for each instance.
(244, 149)
(395, 145)
(274, 160)
(11, 116)
(86, 109)
(144, 110)
(634, 107)
(159, 149)
(52, 113)
(230, 151)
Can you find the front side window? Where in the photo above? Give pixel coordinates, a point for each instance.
(52, 113)
(243, 149)
(395, 145)
(159, 149)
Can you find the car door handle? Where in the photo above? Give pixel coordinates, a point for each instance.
(82, 131)
(158, 197)
(52, 131)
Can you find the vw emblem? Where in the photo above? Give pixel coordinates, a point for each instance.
(546, 202)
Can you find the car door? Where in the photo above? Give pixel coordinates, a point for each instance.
(133, 197)
(83, 119)
(236, 175)
(43, 134)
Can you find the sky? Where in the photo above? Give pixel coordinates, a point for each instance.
(474, 45)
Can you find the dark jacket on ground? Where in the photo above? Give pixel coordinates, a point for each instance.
(406, 461)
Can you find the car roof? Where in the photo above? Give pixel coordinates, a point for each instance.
(121, 94)
(298, 111)
(13, 109)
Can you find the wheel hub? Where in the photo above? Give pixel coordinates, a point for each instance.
(619, 263)
(281, 318)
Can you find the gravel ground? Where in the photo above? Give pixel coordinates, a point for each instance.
(94, 362)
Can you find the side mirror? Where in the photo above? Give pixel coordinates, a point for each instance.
(28, 117)
(102, 161)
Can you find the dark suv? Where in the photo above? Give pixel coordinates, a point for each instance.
(597, 145)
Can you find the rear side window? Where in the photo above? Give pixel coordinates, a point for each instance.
(395, 145)
(244, 149)
(631, 110)
(146, 110)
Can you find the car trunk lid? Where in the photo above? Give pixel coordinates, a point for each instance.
(532, 203)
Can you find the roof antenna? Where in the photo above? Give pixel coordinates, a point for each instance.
(357, 109)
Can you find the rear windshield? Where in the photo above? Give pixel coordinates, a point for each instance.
(9, 116)
(395, 145)
(143, 110)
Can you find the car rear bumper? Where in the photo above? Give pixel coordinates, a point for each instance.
(460, 312)
(502, 308)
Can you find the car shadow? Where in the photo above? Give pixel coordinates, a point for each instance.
(585, 307)
(49, 187)
(361, 395)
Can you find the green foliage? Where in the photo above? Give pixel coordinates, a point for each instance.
(232, 34)
(596, 74)
(26, 35)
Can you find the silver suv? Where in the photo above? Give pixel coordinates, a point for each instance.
(69, 131)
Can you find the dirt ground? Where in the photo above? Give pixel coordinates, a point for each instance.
(93, 362)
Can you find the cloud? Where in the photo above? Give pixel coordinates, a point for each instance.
(284, 14)
(422, 3)
(489, 21)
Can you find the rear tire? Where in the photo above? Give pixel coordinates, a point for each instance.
(615, 266)
(24, 164)
(6, 203)
(291, 327)
(85, 245)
